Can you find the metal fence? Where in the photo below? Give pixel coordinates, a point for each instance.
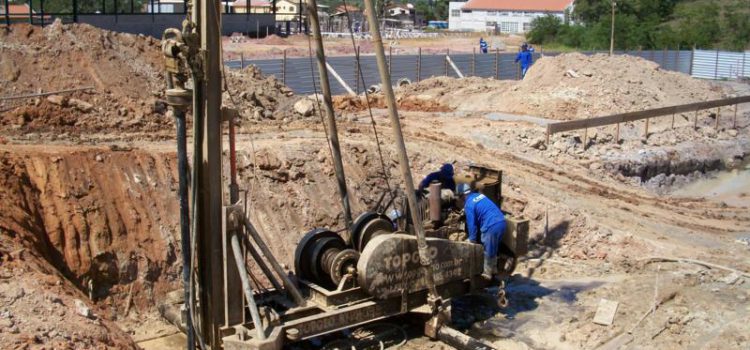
(299, 74)
(715, 64)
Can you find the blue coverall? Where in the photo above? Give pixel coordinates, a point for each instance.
(482, 45)
(525, 58)
(444, 176)
(484, 216)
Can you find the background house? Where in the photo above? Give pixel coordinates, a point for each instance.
(505, 16)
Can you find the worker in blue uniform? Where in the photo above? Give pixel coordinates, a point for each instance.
(485, 224)
(525, 58)
(482, 45)
(444, 176)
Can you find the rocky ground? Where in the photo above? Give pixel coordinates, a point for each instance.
(89, 241)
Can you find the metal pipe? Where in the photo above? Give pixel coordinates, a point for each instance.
(293, 290)
(330, 119)
(261, 263)
(461, 341)
(234, 189)
(385, 78)
(434, 200)
(239, 259)
(182, 169)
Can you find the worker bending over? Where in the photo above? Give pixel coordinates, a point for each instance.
(444, 176)
(485, 224)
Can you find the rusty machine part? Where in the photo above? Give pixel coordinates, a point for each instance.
(436, 213)
(315, 255)
(368, 225)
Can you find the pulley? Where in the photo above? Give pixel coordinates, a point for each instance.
(368, 225)
(316, 254)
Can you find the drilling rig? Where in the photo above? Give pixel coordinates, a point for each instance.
(379, 267)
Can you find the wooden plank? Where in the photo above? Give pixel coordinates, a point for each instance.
(639, 115)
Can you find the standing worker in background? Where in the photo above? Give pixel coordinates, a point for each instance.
(525, 58)
(482, 45)
(485, 224)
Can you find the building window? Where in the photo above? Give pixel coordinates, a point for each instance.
(516, 14)
(527, 27)
(528, 14)
(291, 8)
(466, 11)
(491, 13)
(504, 13)
(455, 13)
(509, 27)
(491, 24)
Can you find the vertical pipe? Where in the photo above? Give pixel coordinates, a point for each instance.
(330, 119)
(242, 60)
(718, 113)
(247, 289)
(41, 9)
(411, 197)
(585, 138)
(182, 169)
(617, 133)
(434, 201)
(290, 287)
(497, 63)
(445, 62)
(645, 131)
(419, 64)
(7, 13)
(234, 189)
(672, 120)
(283, 68)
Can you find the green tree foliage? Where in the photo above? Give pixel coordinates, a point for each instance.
(650, 24)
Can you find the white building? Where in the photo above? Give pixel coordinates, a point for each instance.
(506, 16)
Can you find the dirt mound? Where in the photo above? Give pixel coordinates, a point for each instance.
(259, 97)
(124, 70)
(407, 103)
(572, 86)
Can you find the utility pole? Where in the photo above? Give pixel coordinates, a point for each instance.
(612, 31)
(333, 137)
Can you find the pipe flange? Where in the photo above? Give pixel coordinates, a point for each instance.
(342, 262)
(179, 98)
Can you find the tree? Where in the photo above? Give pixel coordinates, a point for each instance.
(544, 29)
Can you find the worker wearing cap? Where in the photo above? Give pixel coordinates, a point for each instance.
(444, 176)
(485, 224)
(525, 58)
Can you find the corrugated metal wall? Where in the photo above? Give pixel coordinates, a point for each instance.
(721, 64)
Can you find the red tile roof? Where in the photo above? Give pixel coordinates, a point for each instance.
(253, 3)
(518, 5)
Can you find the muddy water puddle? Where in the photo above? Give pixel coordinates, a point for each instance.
(731, 187)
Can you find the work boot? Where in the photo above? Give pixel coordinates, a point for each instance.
(490, 268)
